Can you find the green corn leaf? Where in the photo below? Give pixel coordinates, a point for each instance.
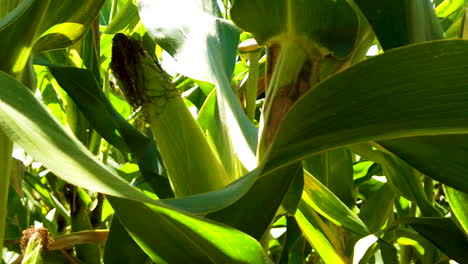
(66, 23)
(404, 179)
(443, 233)
(86, 92)
(57, 24)
(316, 238)
(120, 246)
(293, 252)
(210, 122)
(426, 102)
(331, 25)
(254, 212)
(28, 123)
(17, 28)
(398, 22)
(334, 169)
(204, 53)
(127, 18)
(458, 203)
(423, 24)
(178, 238)
(429, 155)
(388, 251)
(375, 210)
(448, 7)
(322, 200)
(46, 196)
(98, 110)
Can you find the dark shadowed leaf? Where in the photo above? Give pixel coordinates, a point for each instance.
(120, 246)
(429, 155)
(330, 24)
(443, 233)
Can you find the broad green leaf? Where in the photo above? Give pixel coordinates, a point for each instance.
(28, 123)
(448, 7)
(96, 107)
(458, 203)
(77, 167)
(429, 155)
(65, 23)
(210, 122)
(85, 91)
(407, 236)
(347, 108)
(317, 240)
(214, 201)
(50, 97)
(455, 25)
(178, 238)
(423, 24)
(255, 210)
(334, 169)
(127, 18)
(322, 200)
(375, 211)
(398, 22)
(46, 196)
(293, 196)
(293, 252)
(57, 24)
(21, 34)
(361, 171)
(329, 24)
(6, 161)
(443, 233)
(87, 52)
(205, 51)
(404, 179)
(120, 246)
(388, 251)
(451, 14)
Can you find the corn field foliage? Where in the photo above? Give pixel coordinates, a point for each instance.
(234, 131)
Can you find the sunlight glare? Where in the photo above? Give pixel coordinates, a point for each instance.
(361, 247)
(373, 51)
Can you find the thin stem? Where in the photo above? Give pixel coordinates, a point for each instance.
(6, 147)
(252, 84)
(113, 11)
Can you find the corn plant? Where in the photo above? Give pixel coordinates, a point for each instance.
(234, 131)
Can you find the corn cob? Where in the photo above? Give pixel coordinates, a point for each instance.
(192, 165)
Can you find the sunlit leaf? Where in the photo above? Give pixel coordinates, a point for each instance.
(458, 202)
(317, 240)
(28, 123)
(327, 204)
(178, 238)
(429, 101)
(205, 51)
